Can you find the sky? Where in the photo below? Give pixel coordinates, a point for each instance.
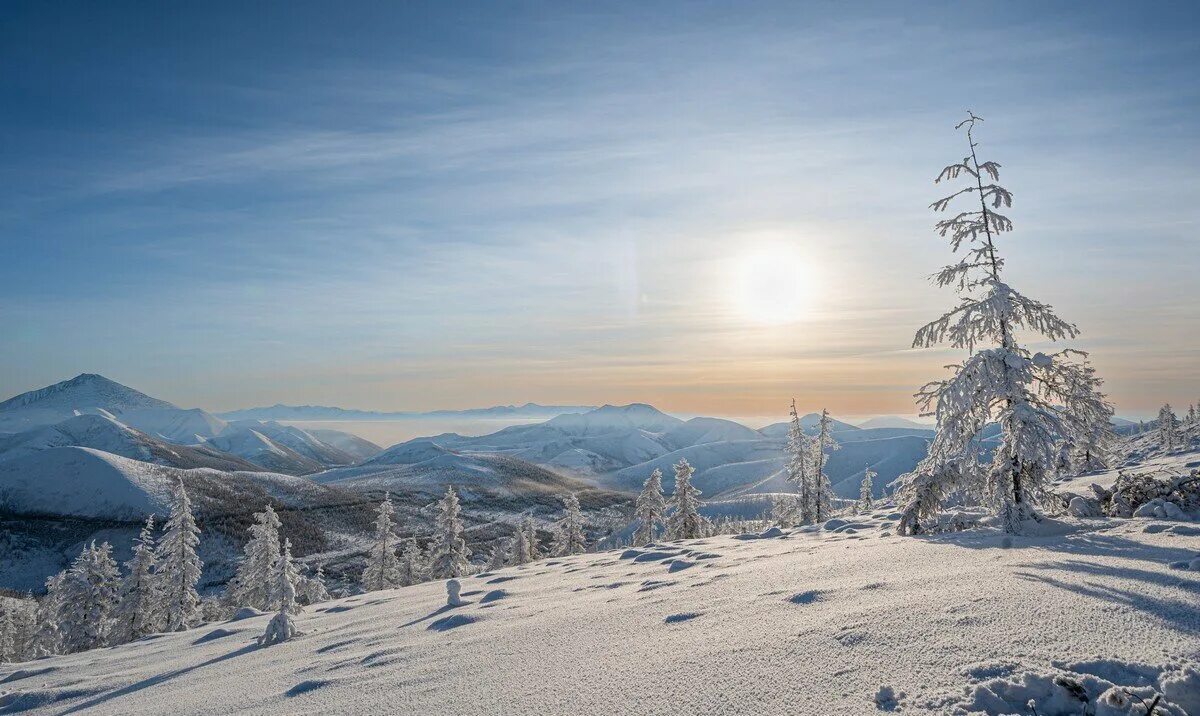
(711, 207)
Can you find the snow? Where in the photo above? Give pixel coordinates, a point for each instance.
(803, 621)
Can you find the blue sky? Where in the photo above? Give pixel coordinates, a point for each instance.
(407, 205)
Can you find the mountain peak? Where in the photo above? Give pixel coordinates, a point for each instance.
(86, 390)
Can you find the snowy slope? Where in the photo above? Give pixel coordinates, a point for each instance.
(357, 448)
(82, 482)
(60, 401)
(848, 620)
(186, 427)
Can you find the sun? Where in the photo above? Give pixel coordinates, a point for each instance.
(773, 285)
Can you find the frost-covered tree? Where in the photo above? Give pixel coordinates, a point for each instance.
(685, 521)
(531, 540)
(1085, 413)
(520, 548)
(650, 509)
(821, 490)
(139, 610)
(499, 556)
(50, 612)
(1191, 414)
(178, 564)
(1168, 427)
(799, 465)
(866, 491)
(19, 629)
(383, 566)
(450, 551)
(1001, 381)
(785, 510)
(8, 635)
(311, 589)
(570, 538)
(254, 583)
(91, 591)
(282, 627)
(413, 567)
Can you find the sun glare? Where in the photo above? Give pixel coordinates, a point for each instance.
(773, 285)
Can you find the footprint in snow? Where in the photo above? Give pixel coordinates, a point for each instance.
(500, 580)
(685, 616)
(805, 597)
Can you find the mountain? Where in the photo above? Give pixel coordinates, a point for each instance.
(300, 413)
(288, 449)
(90, 393)
(55, 403)
(617, 447)
(352, 445)
(893, 421)
(101, 431)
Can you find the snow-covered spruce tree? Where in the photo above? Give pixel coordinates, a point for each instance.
(649, 510)
(499, 556)
(685, 521)
(91, 591)
(282, 627)
(785, 510)
(866, 491)
(254, 583)
(1168, 427)
(383, 566)
(49, 637)
(178, 564)
(821, 490)
(450, 551)
(570, 538)
(799, 456)
(413, 567)
(311, 589)
(531, 540)
(1001, 381)
(139, 610)
(520, 548)
(22, 613)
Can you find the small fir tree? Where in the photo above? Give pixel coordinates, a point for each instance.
(383, 566)
(139, 611)
(685, 521)
(450, 551)
(650, 509)
(570, 538)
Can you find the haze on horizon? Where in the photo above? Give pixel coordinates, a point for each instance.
(707, 208)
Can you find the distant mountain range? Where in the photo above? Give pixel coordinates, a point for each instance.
(326, 413)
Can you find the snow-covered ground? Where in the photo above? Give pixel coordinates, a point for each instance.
(847, 620)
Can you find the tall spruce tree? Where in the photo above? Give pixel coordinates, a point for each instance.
(650, 509)
(1000, 381)
(178, 564)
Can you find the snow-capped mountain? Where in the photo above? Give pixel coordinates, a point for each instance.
(892, 421)
(102, 431)
(60, 401)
